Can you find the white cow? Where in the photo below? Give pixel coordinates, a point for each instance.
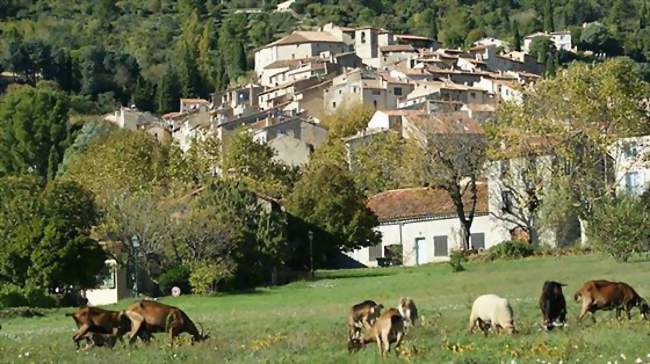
(491, 311)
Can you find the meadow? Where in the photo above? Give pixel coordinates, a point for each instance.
(304, 322)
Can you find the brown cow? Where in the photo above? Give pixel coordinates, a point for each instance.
(154, 316)
(98, 326)
(388, 328)
(362, 315)
(606, 295)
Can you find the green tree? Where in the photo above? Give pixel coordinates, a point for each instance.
(347, 120)
(326, 197)
(253, 163)
(144, 95)
(376, 164)
(168, 92)
(50, 245)
(195, 166)
(583, 110)
(34, 130)
(124, 160)
(620, 227)
(516, 37)
(597, 38)
(549, 25)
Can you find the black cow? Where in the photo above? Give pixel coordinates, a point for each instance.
(552, 304)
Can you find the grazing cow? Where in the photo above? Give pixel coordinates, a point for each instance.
(387, 329)
(362, 315)
(153, 316)
(408, 310)
(605, 295)
(98, 326)
(552, 304)
(491, 311)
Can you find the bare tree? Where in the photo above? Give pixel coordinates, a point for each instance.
(454, 158)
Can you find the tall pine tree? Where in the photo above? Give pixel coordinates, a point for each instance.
(517, 36)
(549, 26)
(168, 92)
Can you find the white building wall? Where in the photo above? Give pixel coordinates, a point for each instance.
(631, 170)
(417, 238)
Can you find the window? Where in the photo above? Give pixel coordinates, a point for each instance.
(333, 104)
(363, 37)
(440, 246)
(376, 92)
(340, 92)
(293, 56)
(107, 278)
(397, 91)
(631, 150)
(354, 89)
(472, 95)
(504, 167)
(632, 182)
(374, 103)
(507, 197)
(477, 241)
(375, 252)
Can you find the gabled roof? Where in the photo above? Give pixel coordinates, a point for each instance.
(299, 37)
(423, 202)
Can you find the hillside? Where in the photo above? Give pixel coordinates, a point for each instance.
(119, 52)
(305, 321)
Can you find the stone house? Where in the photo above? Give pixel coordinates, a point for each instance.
(297, 45)
(631, 170)
(561, 40)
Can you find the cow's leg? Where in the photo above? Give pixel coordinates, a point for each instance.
(379, 345)
(83, 330)
(398, 341)
(472, 325)
(585, 308)
(386, 342)
(136, 324)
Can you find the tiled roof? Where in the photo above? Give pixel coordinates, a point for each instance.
(194, 101)
(413, 203)
(300, 37)
(445, 123)
(398, 48)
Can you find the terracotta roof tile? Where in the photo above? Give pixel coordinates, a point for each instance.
(300, 37)
(423, 202)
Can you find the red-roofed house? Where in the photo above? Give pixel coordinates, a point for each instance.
(424, 222)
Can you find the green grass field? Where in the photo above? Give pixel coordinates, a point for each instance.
(305, 321)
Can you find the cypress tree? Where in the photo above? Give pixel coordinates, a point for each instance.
(548, 16)
(168, 92)
(517, 36)
(52, 163)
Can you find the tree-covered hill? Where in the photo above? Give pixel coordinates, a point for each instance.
(150, 52)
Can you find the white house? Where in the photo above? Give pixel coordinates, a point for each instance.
(561, 40)
(631, 170)
(297, 45)
(113, 287)
(424, 222)
(491, 41)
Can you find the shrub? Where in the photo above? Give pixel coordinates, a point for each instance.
(38, 298)
(456, 260)
(394, 254)
(12, 298)
(510, 249)
(620, 227)
(177, 276)
(205, 277)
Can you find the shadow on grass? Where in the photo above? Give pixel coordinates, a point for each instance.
(377, 272)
